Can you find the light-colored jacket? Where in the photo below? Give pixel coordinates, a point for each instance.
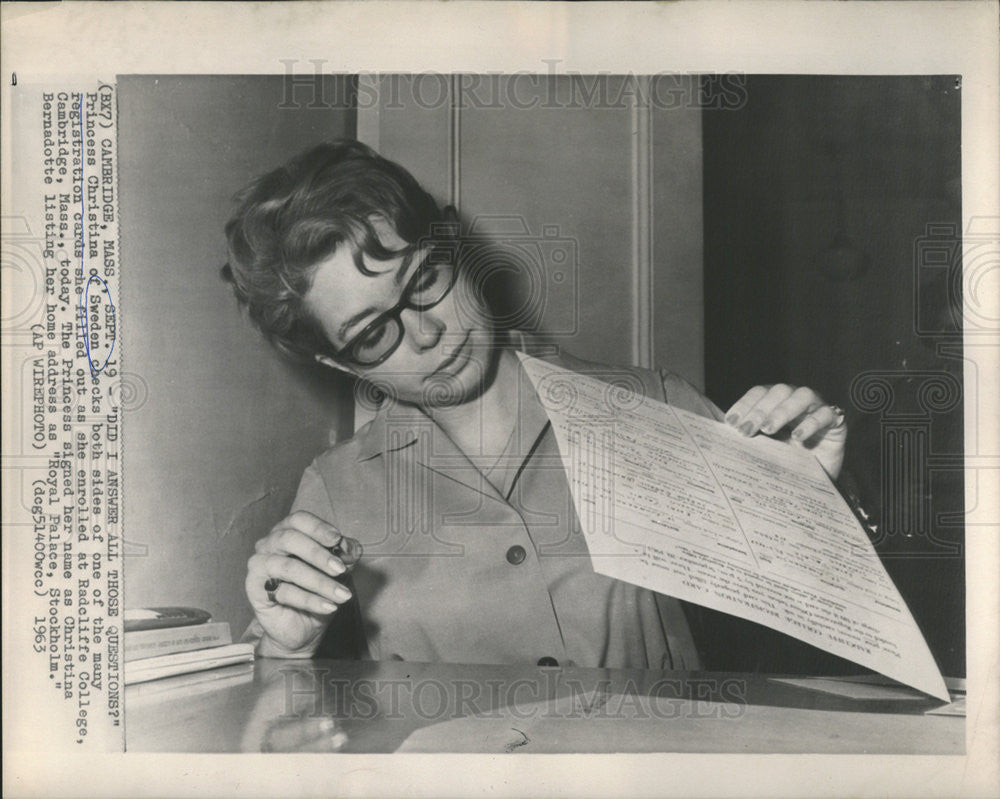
(458, 570)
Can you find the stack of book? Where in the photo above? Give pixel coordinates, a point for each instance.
(162, 642)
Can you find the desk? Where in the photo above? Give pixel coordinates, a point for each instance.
(394, 706)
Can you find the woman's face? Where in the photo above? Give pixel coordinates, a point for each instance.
(447, 353)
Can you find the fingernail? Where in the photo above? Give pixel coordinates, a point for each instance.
(334, 565)
(327, 607)
(798, 434)
(746, 428)
(732, 418)
(326, 724)
(767, 429)
(342, 593)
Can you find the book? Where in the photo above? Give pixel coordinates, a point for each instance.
(154, 668)
(157, 618)
(140, 644)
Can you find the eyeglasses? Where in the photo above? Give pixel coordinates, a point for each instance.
(380, 338)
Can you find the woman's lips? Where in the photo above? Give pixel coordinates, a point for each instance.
(451, 359)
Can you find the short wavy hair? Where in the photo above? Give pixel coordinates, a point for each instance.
(290, 219)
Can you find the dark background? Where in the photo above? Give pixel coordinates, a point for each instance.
(832, 214)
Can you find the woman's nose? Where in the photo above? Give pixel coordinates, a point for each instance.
(423, 328)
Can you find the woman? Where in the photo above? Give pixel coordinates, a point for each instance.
(455, 490)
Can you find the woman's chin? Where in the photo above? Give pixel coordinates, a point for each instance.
(464, 383)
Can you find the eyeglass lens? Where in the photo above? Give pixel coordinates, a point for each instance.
(430, 285)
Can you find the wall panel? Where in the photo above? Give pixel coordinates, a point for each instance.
(213, 454)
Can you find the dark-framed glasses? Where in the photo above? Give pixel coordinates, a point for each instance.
(429, 285)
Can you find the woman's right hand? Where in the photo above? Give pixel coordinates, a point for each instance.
(298, 553)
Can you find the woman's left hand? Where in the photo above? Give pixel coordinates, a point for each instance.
(800, 412)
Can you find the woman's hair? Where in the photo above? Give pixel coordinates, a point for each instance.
(290, 219)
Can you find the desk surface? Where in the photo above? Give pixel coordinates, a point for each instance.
(364, 706)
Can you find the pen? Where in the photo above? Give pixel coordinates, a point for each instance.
(349, 550)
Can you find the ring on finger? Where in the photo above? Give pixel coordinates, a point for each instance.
(271, 587)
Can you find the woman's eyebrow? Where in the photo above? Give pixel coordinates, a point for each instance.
(404, 267)
(407, 262)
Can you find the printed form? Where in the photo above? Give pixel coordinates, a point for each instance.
(689, 507)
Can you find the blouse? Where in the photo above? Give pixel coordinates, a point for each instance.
(464, 566)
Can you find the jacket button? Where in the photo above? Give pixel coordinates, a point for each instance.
(547, 661)
(516, 554)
